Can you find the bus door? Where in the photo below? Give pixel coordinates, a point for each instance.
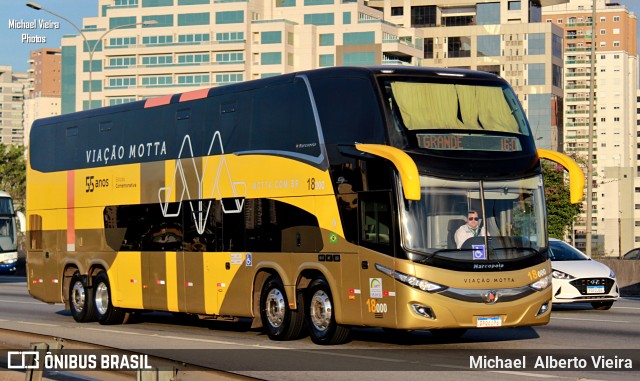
(378, 301)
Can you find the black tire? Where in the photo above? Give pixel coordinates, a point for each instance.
(320, 316)
(81, 299)
(107, 313)
(448, 333)
(280, 322)
(601, 306)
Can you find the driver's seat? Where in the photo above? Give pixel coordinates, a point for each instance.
(452, 227)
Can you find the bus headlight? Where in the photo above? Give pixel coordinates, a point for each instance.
(541, 283)
(415, 282)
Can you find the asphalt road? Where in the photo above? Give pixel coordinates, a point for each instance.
(576, 333)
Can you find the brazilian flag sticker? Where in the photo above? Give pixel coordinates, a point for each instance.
(333, 238)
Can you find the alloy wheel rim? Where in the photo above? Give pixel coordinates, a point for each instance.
(321, 310)
(102, 298)
(275, 307)
(78, 296)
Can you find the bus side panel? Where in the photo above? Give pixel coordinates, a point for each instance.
(46, 245)
(231, 281)
(125, 276)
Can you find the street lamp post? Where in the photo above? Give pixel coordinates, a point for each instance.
(589, 227)
(88, 46)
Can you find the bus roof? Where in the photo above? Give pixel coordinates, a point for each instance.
(340, 71)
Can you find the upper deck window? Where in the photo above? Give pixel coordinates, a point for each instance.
(444, 106)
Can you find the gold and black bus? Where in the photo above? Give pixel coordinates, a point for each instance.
(327, 199)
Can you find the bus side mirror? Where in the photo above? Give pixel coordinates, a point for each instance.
(22, 221)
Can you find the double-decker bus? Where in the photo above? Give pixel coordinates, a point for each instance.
(327, 199)
(8, 235)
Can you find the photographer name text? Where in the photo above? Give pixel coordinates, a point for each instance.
(32, 25)
(550, 362)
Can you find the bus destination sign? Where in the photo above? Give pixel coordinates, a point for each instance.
(465, 142)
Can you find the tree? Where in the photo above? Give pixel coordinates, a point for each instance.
(13, 173)
(561, 213)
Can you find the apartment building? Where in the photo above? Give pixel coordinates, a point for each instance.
(43, 92)
(12, 86)
(207, 43)
(615, 132)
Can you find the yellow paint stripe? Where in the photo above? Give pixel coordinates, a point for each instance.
(126, 280)
(210, 263)
(172, 281)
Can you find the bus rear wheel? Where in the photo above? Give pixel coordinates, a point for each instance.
(107, 313)
(321, 321)
(81, 299)
(279, 320)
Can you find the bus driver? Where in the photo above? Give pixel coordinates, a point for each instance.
(470, 229)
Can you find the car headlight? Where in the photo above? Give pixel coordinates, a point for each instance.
(561, 275)
(415, 282)
(541, 283)
(612, 274)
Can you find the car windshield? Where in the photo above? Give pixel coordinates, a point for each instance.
(512, 212)
(561, 251)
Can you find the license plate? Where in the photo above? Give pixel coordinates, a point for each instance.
(489, 321)
(595, 289)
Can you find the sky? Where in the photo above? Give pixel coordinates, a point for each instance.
(15, 53)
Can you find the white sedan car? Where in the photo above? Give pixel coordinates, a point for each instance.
(580, 279)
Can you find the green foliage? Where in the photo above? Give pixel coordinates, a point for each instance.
(13, 174)
(561, 213)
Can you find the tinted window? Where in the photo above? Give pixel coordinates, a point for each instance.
(262, 225)
(283, 120)
(349, 111)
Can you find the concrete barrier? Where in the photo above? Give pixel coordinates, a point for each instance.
(627, 273)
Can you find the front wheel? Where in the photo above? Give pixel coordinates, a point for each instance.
(601, 306)
(279, 320)
(107, 313)
(81, 300)
(321, 321)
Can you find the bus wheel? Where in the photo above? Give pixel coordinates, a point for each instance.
(107, 313)
(280, 321)
(80, 300)
(601, 306)
(323, 328)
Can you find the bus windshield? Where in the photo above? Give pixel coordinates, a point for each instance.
(511, 212)
(450, 106)
(7, 228)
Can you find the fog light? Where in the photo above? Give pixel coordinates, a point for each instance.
(423, 311)
(543, 308)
